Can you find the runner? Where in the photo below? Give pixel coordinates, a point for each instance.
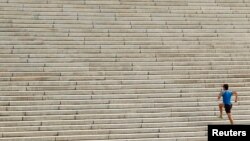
(226, 102)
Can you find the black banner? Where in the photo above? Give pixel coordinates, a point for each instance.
(223, 132)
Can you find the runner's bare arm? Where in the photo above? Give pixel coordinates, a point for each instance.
(236, 96)
(219, 96)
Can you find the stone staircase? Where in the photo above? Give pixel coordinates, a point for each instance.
(124, 70)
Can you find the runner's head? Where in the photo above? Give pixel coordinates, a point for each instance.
(225, 86)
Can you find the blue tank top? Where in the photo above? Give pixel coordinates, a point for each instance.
(227, 97)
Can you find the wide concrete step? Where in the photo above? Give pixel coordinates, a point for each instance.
(82, 121)
(137, 84)
(171, 126)
(73, 86)
(186, 57)
(124, 32)
(116, 50)
(156, 32)
(124, 64)
(159, 99)
(129, 94)
(102, 116)
(111, 136)
(178, 92)
(230, 74)
(182, 41)
(174, 78)
(139, 93)
(115, 105)
(202, 138)
(87, 95)
(103, 137)
(103, 132)
(165, 134)
(114, 87)
(111, 104)
(42, 68)
(144, 139)
(120, 54)
(113, 111)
